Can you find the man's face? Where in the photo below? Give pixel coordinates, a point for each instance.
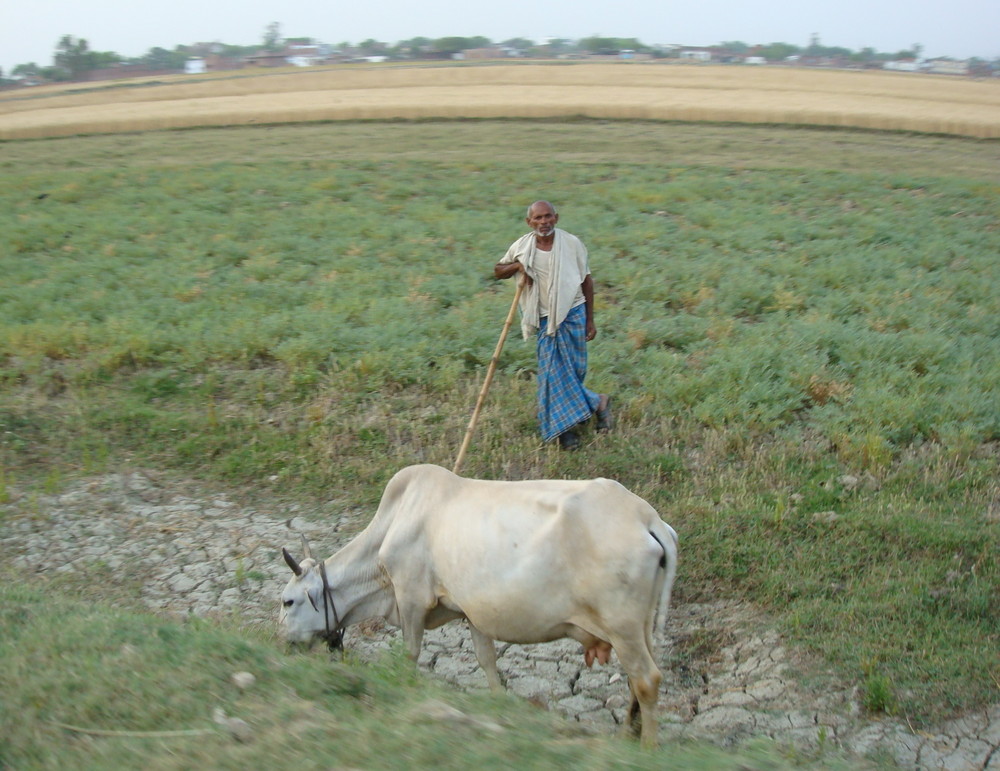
(542, 219)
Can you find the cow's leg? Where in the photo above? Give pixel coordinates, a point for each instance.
(644, 682)
(486, 654)
(411, 621)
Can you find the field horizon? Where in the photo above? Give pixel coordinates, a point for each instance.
(874, 100)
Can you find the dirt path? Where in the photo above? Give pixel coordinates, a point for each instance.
(727, 676)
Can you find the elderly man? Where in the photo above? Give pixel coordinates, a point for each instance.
(557, 305)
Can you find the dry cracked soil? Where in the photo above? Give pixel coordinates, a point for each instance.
(728, 676)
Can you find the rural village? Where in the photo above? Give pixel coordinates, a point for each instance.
(75, 61)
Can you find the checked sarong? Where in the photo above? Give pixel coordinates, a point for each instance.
(563, 402)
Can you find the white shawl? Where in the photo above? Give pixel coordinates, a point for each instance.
(569, 269)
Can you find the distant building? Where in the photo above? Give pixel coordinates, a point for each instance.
(306, 55)
(696, 54)
(26, 80)
(267, 59)
(627, 54)
(195, 66)
(946, 67)
(216, 63)
(491, 52)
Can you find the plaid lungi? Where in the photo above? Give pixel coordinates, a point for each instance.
(562, 365)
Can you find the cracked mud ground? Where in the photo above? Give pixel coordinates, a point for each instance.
(728, 678)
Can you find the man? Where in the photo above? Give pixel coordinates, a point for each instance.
(557, 304)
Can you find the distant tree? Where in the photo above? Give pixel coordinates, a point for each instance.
(520, 43)
(608, 46)
(980, 68)
(816, 49)
(454, 45)
(101, 59)
(918, 50)
(835, 51)
(408, 49)
(162, 59)
(866, 55)
(72, 57)
(227, 51)
(450, 45)
(26, 70)
(735, 46)
(778, 52)
(372, 47)
(560, 45)
(633, 44)
(601, 46)
(665, 52)
(272, 37)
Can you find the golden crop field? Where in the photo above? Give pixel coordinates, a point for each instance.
(615, 90)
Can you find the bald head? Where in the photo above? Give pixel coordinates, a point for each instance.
(540, 203)
(542, 218)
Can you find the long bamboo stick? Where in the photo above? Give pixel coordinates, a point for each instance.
(489, 376)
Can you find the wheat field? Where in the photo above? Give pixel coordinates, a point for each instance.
(616, 90)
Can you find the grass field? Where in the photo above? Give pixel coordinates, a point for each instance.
(769, 95)
(800, 327)
(92, 686)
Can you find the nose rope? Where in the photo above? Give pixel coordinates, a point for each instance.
(334, 637)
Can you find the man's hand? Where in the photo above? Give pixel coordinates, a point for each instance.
(508, 269)
(591, 331)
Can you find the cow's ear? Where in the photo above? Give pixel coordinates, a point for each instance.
(290, 561)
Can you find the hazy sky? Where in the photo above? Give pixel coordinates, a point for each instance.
(30, 29)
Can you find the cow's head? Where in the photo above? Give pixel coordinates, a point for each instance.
(307, 609)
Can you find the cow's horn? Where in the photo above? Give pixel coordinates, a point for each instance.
(305, 546)
(296, 568)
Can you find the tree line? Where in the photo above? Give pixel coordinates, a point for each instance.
(73, 58)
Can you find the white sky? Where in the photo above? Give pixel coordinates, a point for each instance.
(30, 29)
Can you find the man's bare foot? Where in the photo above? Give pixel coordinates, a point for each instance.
(604, 419)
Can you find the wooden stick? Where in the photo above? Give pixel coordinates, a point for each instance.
(489, 376)
(136, 734)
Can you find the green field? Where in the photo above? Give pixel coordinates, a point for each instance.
(800, 328)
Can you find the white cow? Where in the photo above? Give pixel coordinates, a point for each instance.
(524, 562)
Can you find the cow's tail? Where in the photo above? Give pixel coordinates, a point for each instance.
(666, 536)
